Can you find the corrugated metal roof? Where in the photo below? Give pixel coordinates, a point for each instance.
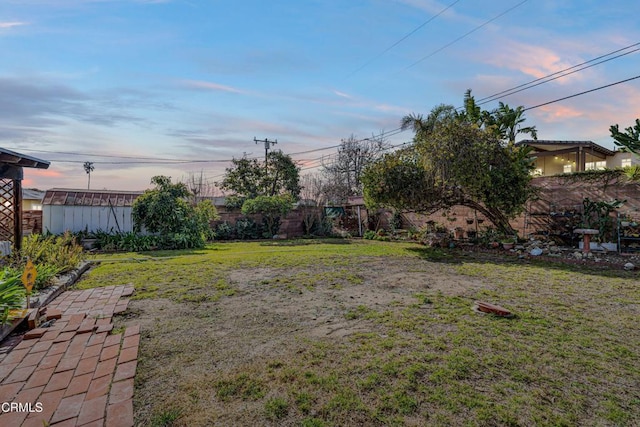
(67, 197)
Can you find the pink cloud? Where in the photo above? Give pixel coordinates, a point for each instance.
(533, 60)
(38, 177)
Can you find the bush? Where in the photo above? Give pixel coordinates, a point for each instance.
(165, 210)
(247, 229)
(369, 235)
(272, 208)
(322, 228)
(60, 252)
(224, 231)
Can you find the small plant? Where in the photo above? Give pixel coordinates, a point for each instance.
(12, 295)
(276, 408)
(166, 418)
(597, 215)
(369, 235)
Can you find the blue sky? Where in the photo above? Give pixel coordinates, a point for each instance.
(123, 82)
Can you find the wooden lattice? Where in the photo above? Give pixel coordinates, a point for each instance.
(7, 210)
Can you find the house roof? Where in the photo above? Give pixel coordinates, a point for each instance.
(32, 194)
(556, 145)
(70, 197)
(22, 160)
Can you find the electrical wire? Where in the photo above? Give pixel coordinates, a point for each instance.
(402, 39)
(465, 35)
(157, 160)
(582, 93)
(558, 74)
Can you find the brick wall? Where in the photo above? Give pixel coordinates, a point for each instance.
(31, 222)
(291, 225)
(559, 198)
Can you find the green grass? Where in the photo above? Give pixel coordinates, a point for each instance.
(569, 356)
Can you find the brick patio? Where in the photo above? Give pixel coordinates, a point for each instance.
(77, 369)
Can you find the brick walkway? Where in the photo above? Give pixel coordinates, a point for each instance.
(77, 370)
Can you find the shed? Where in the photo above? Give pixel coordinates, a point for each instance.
(11, 175)
(88, 210)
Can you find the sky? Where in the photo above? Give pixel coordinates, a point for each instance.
(180, 87)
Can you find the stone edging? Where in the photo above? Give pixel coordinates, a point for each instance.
(43, 298)
(61, 284)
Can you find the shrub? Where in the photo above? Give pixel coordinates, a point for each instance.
(165, 210)
(60, 252)
(272, 208)
(323, 227)
(369, 235)
(12, 294)
(224, 231)
(246, 229)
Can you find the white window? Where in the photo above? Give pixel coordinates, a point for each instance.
(595, 165)
(625, 163)
(567, 168)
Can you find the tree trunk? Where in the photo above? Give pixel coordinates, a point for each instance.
(496, 217)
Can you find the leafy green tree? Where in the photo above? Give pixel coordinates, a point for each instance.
(457, 163)
(165, 210)
(272, 208)
(629, 140)
(282, 176)
(504, 122)
(249, 178)
(244, 178)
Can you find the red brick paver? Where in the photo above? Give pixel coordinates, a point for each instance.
(74, 373)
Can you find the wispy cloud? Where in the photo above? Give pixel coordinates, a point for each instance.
(12, 24)
(199, 84)
(342, 94)
(533, 60)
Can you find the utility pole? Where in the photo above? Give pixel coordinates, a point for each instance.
(267, 145)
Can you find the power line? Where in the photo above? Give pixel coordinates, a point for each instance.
(466, 34)
(582, 93)
(158, 160)
(402, 39)
(558, 74)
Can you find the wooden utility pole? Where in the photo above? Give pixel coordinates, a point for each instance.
(267, 146)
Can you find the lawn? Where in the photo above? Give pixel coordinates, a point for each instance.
(347, 332)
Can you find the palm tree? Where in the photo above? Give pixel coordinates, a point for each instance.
(88, 168)
(421, 126)
(508, 121)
